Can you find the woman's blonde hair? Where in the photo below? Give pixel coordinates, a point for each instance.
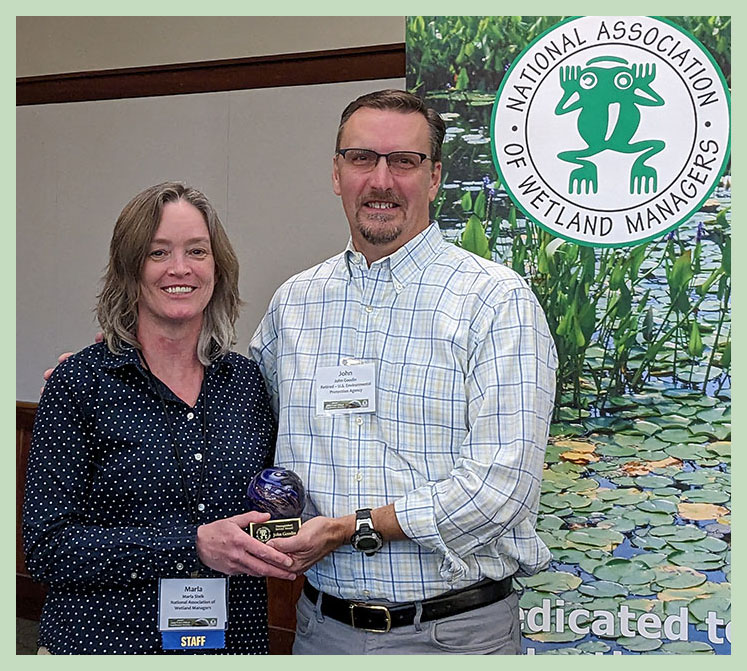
(133, 232)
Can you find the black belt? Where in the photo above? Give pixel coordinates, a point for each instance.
(381, 617)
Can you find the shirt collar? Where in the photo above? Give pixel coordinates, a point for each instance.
(129, 357)
(408, 261)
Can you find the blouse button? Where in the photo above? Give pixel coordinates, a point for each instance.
(369, 308)
(190, 415)
(179, 566)
(133, 575)
(198, 456)
(358, 476)
(200, 507)
(359, 420)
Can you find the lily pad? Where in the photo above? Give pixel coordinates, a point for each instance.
(593, 647)
(657, 506)
(707, 544)
(678, 577)
(717, 415)
(549, 522)
(666, 493)
(686, 451)
(675, 435)
(566, 429)
(595, 537)
(625, 572)
(563, 500)
(552, 581)
(722, 448)
(678, 532)
(603, 588)
(649, 543)
(568, 555)
(703, 561)
(721, 605)
(645, 427)
(687, 648)
(655, 444)
(700, 477)
(715, 431)
(701, 511)
(585, 485)
(554, 637)
(677, 392)
(622, 496)
(622, 524)
(652, 481)
(704, 495)
(639, 643)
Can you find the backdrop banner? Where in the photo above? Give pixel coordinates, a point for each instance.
(592, 156)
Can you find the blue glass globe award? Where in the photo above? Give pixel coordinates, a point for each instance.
(280, 492)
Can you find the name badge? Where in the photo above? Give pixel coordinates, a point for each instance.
(193, 614)
(345, 389)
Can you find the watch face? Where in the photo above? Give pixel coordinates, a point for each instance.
(367, 543)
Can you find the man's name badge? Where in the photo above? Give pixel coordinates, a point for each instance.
(345, 389)
(192, 613)
(264, 531)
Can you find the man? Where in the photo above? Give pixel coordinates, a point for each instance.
(423, 486)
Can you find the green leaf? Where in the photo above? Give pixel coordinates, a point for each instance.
(726, 356)
(648, 325)
(462, 80)
(466, 201)
(695, 344)
(480, 205)
(474, 239)
(681, 273)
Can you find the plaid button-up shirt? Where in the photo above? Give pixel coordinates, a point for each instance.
(465, 383)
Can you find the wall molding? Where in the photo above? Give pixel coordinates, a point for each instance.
(299, 69)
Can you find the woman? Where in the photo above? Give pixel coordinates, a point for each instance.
(143, 447)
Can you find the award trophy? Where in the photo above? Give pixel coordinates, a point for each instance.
(281, 493)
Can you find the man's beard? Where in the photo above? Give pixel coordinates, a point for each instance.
(378, 234)
(380, 229)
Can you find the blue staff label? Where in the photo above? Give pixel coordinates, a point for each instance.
(193, 613)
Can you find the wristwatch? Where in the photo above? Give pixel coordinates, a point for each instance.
(366, 538)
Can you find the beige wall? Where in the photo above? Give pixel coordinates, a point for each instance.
(262, 156)
(47, 45)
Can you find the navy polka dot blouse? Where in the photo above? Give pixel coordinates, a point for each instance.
(105, 515)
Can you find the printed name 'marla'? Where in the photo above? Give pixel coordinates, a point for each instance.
(582, 131)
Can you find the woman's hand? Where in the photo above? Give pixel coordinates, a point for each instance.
(224, 546)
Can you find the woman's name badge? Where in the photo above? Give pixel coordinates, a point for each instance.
(192, 613)
(345, 389)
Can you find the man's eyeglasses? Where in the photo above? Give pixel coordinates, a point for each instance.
(399, 162)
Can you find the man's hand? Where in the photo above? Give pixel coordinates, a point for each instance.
(64, 357)
(315, 540)
(48, 373)
(224, 546)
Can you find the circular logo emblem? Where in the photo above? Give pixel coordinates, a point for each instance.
(263, 534)
(609, 131)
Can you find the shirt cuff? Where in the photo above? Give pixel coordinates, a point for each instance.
(416, 515)
(178, 552)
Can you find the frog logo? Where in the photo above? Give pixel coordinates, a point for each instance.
(609, 131)
(609, 98)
